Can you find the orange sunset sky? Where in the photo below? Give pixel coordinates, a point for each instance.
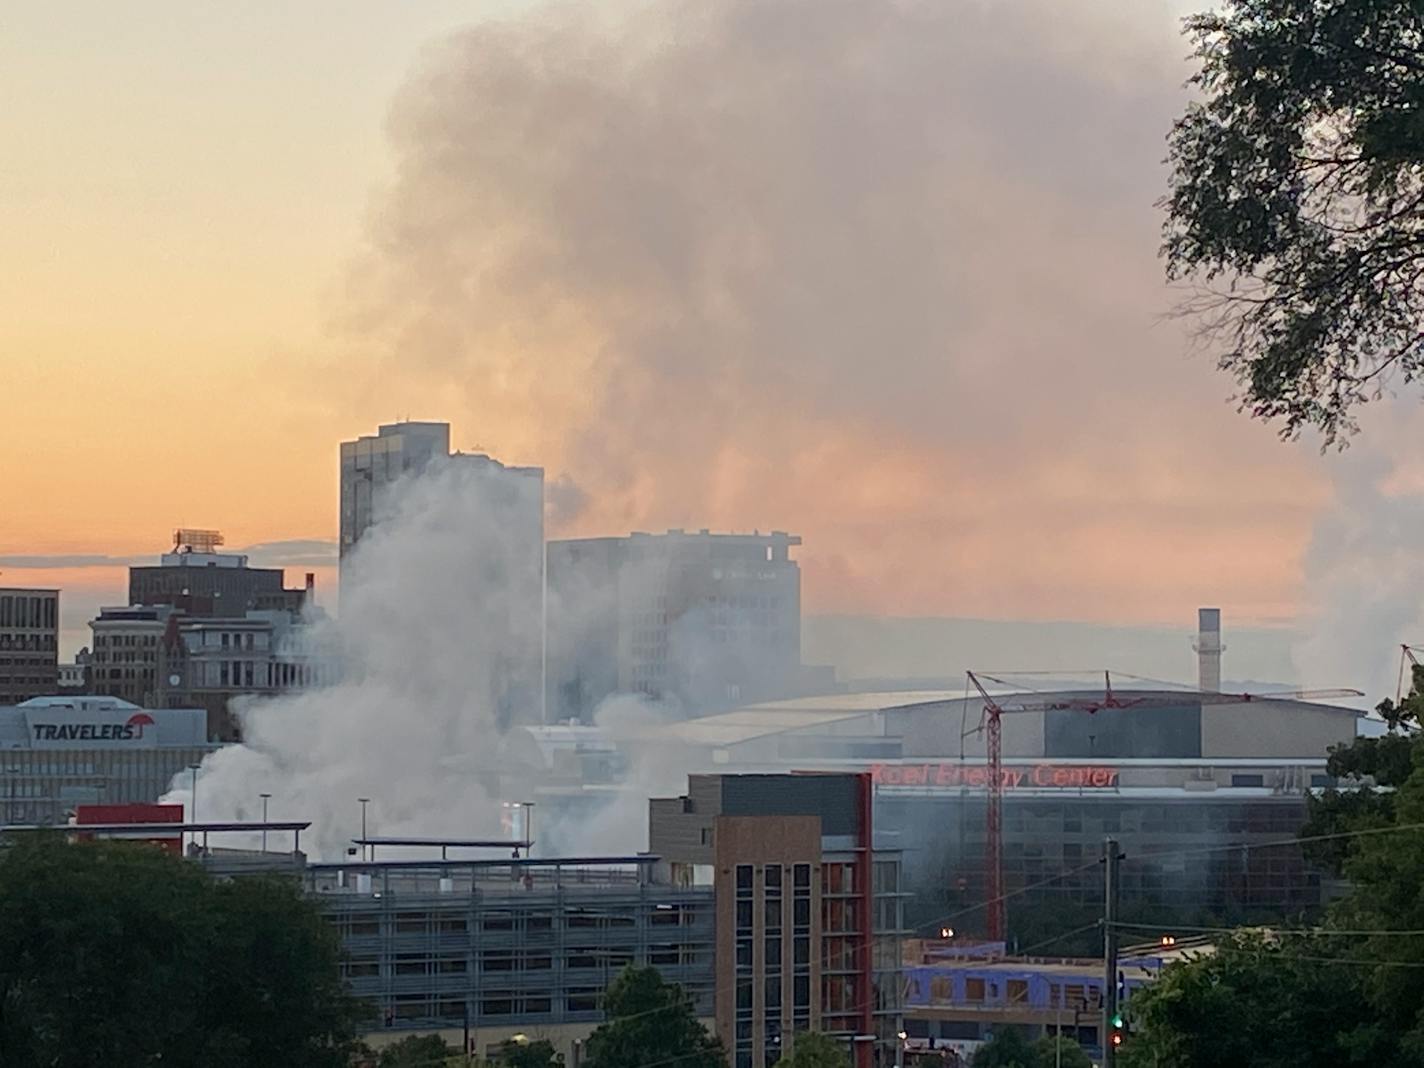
(881, 274)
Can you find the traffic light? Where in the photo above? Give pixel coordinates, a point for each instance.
(1116, 1028)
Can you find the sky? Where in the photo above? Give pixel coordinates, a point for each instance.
(879, 272)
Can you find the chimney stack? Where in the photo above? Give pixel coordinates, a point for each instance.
(1209, 648)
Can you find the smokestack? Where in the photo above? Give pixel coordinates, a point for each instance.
(1209, 648)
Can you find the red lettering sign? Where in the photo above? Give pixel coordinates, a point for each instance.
(945, 775)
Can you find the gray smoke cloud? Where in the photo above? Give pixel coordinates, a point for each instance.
(1364, 573)
(837, 259)
(420, 721)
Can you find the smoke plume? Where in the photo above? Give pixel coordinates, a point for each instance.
(880, 272)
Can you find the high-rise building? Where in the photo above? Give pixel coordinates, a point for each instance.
(809, 915)
(707, 620)
(510, 616)
(372, 463)
(29, 644)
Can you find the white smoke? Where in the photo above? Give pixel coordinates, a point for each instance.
(426, 638)
(1364, 572)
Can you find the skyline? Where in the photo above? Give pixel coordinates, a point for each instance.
(272, 248)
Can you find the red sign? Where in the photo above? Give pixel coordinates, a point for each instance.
(976, 776)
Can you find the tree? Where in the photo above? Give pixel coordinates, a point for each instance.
(1258, 1002)
(417, 1051)
(1376, 767)
(650, 1021)
(537, 1054)
(118, 953)
(1296, 200)
(809, 1049)
(1060, 1052)
(1007, 1048)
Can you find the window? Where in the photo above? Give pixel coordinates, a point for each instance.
(801, 992)
(771, 953)
(772, 913)
(772, 993)
(744, 877)
(772, 877)
(744, 914)
(1248, 780)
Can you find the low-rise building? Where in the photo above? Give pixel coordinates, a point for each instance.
(57, 753)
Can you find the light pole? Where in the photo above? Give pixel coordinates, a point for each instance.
(900, 1048)
(193, 815)
(265, 799)
(364, 802)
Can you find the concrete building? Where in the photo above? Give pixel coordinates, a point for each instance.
(513, 497)
(200, 581)
(808, 908)
(508, 946)
(60, 752)
(29, 643)
(705, 620)
(1205, 791)
(372, 463)
(158, 657)
(128, 652)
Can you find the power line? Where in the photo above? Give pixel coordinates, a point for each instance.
(1302, 931)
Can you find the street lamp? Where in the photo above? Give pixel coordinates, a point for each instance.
(265, 799)
(900, 1048)
(193, 813)
(364, 802)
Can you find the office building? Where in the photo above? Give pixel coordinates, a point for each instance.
(508, 555)
(808, 908)
(200, 581)
(700, 619)
(128, 652)
(57, 753)
(373, 463)
(29, 643)
(158, 657)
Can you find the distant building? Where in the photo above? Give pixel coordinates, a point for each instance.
(29, 643)
(128, 651)
(208, 662)
(372, 465)
(808, 908)
(201, 581)
(74, 675)
(707, 620)
(58, 753)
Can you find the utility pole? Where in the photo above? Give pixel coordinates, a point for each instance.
(1111, 857)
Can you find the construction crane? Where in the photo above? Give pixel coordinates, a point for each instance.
(991, 726)
(1407, 659)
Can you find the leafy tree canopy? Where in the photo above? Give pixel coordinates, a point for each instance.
(1054, 1052)
(1006, 1048)
(810, 1049)
(1346, 993)
(650, 1021)
(536, 1054)
(417, 1051)
(1296, 199)
(118, 953)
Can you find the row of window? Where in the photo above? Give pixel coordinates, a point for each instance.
(36, 642)
(36, 613)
